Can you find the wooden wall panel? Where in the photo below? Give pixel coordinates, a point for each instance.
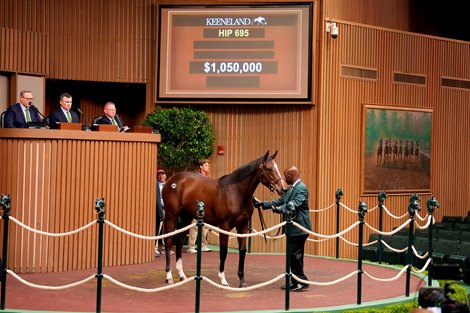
(15, 55)
(247, 132)
(385, 13)
(343, 98)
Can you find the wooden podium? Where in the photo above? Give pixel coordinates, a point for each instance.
(105, 128)
(141, 129)
(54, 178)
(70, 126)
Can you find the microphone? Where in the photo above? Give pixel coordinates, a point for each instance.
(87, 127)
(44, 119)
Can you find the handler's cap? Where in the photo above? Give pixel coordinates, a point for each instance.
(161, 171)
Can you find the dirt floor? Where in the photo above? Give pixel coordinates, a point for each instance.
(260, 268)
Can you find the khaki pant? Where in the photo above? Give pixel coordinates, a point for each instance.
(193, 236)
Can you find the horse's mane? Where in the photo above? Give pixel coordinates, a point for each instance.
(241, 172)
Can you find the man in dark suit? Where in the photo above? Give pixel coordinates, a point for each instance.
(63, 114)
(18, 115)
(161, 179)
(110, 117)
(297, 194)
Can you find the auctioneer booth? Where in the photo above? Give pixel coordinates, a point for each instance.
(54, 178)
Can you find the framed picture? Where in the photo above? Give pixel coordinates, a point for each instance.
(396, 149)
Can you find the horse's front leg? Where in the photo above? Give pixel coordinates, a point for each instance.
(241, 256)
(223, 242)
(179, 255)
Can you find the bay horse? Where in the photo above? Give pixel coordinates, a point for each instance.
(228, 204)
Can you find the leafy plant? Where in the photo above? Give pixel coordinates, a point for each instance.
(186, 136)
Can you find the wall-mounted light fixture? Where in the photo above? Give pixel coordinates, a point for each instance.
(332, 29)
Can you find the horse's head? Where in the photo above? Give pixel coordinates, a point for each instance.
(270, 176)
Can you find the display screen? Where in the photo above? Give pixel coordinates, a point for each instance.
(235, 52)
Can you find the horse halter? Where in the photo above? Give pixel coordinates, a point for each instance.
(272, 185)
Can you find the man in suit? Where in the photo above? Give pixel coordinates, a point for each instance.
(18, 115)
(110, 117)
(297, 194)
(161, 179)
(63, 114)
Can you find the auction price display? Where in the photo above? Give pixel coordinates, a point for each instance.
(233, 67)
(236, 52)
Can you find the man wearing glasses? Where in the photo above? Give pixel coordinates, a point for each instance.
(20, 114)
(110, 117)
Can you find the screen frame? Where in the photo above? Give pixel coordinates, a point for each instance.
(239, 99)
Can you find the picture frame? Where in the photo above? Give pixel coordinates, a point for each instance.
(396, 150)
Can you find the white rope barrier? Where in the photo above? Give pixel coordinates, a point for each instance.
(177, 231)
(241, 289)
(394, 216)
(216, 229)
(430, 220)
(375, 230)
(147, 290)
(270, 237)
(324, 209)
(424, 267)
(373, 209)
(418, 255)
(25, 282)
(330, 283)
(388, 279)
(393, 249)
(421, 218)
(40, 232)
(318, 240)
(325, 236)
(347, 208)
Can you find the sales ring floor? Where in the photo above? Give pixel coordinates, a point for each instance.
(259, 268)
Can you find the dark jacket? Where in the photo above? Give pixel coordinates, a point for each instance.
(58, 116)
(14, 117)
(105, 120)
(298, 195)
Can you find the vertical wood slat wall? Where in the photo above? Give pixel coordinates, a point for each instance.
(54, 183)
(15, 47)
(343, 98)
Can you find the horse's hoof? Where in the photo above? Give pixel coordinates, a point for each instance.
(225, 285)
(183, 278)
(170, 281)
(242, 285)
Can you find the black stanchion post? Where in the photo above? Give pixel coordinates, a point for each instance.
(5, 202)
(100, 208)
(288, 216)
(361, 212)
(412, 208)
(200, 224)
(431, 204)
(381, 197)
(339, 194)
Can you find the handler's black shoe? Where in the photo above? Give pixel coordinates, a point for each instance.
(299, 288)
(291, 285)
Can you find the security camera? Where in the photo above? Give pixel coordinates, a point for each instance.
(332, 29)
